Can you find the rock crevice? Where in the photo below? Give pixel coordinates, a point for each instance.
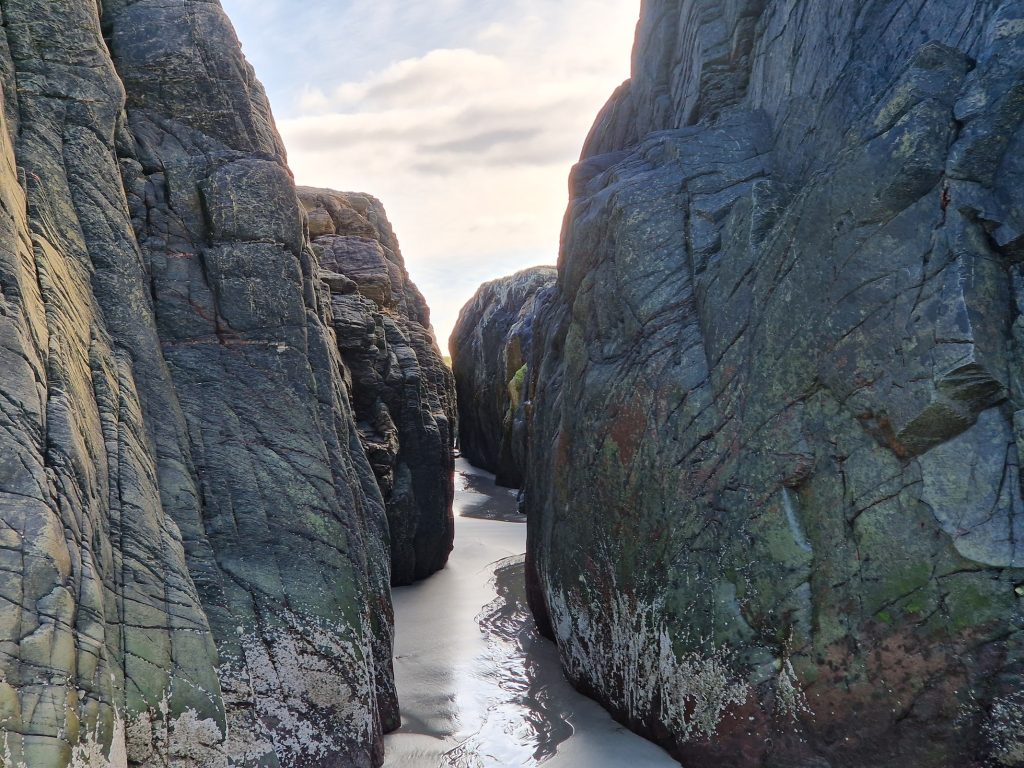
(402, 391)
(775, 394)
(195, 545)
(491, 347)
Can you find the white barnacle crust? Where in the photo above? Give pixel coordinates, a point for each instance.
(299, 692)
(9, 760)
(627, 653)
(1005, 730)
(90, 752)
(156, 740)
(313, 680)
(790, 700)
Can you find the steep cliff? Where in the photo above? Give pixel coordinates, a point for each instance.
(773, 486)
(194, 546)
(490, 346)
(402, 391)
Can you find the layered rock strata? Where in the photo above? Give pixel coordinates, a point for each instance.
(194, 544)
(490, 347)
(402, 391)
(773, 480)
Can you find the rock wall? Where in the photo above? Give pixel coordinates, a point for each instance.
(490, 347)
(402, 391)
(774, 488)
(194, 544)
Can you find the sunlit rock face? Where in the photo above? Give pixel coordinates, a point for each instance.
(402, 391)
(194, 545)
(773, 481)
(490, 347)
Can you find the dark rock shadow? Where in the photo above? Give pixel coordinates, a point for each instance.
(487, 501)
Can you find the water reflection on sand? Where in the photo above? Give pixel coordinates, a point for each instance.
(479, 687)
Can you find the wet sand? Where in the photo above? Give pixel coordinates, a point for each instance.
(479, 688)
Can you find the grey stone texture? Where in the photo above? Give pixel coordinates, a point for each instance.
(773, 478)
(402, 391)
(194, 546)
(490, 347)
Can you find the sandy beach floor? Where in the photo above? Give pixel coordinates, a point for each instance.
(479, 688)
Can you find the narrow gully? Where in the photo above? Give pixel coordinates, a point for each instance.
(479, 687)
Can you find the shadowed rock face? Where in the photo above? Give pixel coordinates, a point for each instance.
(773, 484)
(490, 347)
(193, 542)
(402, 391)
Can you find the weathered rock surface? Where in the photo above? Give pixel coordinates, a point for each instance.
(490, 347)
(773, 485)
(194, 546)
(402, 391)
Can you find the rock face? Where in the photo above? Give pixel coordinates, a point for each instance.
(490, 347)
(774, 486)
(194, 545)
(402, 391)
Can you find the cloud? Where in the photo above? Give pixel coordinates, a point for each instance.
(437, 77)
(482, 142)
(313, 100)
(463, 116)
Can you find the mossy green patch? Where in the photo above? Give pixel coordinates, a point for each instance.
(974, 600)
(520, 376)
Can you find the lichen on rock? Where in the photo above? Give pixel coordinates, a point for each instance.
(776, 390)
(192, 534)
(630, 651)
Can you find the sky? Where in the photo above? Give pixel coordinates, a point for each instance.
(463, 116)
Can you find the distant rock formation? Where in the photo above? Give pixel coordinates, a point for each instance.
(194, 544)
(403, 393)
(773, 484)
(490, 347)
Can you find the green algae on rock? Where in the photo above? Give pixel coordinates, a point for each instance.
(490, 346)
(195, 546)
(776, 394)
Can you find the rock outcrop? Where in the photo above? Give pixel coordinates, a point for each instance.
(402, 391)
(194, 544)
(490, 347)
(773, 484)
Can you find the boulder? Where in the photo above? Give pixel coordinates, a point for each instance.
(402, 392)
(490, 347)
(773, 479)
(195, 547)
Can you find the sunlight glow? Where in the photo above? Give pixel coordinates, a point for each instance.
(462, 116)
